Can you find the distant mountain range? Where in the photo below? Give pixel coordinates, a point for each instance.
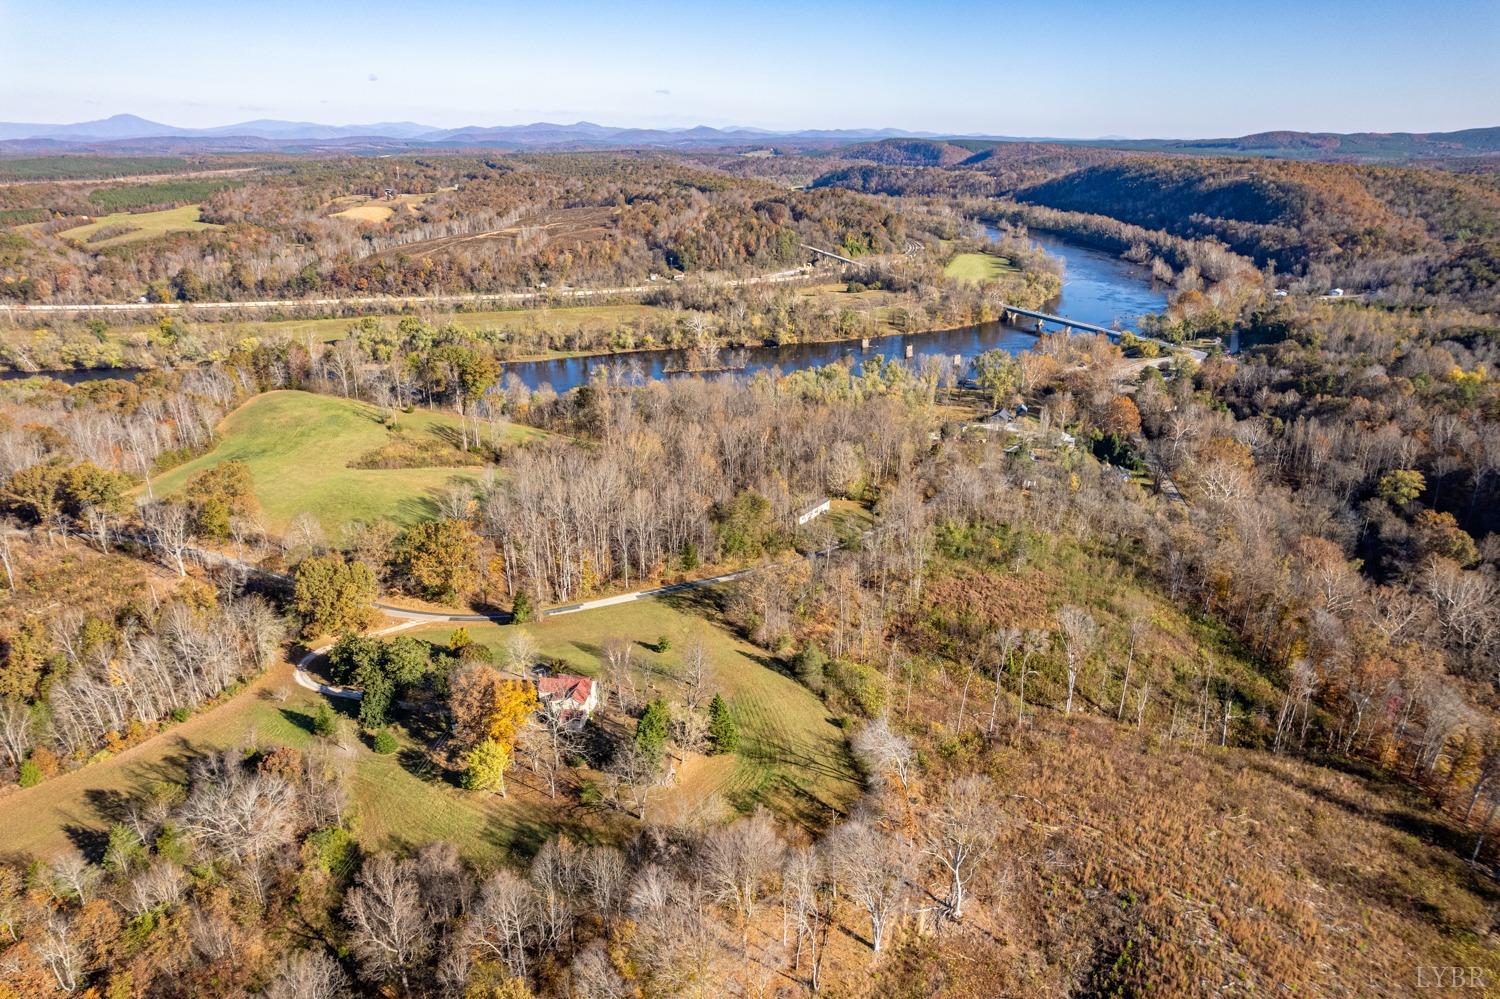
(133, 132)
(1373, 146)
(127, 133)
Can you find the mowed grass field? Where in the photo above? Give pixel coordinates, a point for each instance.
(142, 225)
(360, 209)
(792, 758)
(976, 268)
(299, 447)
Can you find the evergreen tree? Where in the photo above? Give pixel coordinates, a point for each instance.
(651, 730)
(723, 733)
(324, 721)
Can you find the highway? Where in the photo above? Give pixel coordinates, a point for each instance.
(390, 301)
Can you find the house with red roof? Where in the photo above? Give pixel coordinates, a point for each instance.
(571, 698)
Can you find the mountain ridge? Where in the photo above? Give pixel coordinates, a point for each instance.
(133, 133)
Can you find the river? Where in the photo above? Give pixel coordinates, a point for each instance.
(1097, 288)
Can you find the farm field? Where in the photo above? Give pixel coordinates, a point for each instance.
(142, 225)
(572, 226)
(299, 448)
(977, 267)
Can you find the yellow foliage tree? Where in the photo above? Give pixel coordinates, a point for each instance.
(515, 703)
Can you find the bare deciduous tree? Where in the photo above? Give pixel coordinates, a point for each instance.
(17, 730)
(501, 920)
(884, 751)
(167, 525)
(959, 832)
(1080, 634)
(874, 870)
(390, 929)
(309, 974)
(738, 860)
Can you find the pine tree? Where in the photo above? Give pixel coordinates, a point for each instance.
(324, 722)
(723, 733)
(651, 731)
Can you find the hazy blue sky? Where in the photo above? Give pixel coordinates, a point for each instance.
(1070, 68)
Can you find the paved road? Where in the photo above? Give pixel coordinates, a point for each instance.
(393, 302)
(304, 679)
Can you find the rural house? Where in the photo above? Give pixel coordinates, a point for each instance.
(571, 698)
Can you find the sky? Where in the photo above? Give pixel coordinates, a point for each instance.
(1065, 68)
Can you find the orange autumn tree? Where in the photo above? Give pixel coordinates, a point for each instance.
(487, 706)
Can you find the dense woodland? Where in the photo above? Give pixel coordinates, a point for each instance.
(484, 225)
(1204, 702)
(1408, 236)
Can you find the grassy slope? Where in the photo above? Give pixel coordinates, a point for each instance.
(146, 225)
(298, 446)
(792, 758)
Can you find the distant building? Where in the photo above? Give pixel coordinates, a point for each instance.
(570, 698)
(813, 512)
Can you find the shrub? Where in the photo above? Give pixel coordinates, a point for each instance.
(859, 684)
(31, 774)
(334, 851)
(385, 744)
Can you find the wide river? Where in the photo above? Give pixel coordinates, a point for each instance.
(1097, 288)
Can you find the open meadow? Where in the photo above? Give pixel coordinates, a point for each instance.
(301, 449)
(976, 268)
(127, 227)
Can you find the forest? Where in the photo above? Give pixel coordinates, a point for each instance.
(1108, 670)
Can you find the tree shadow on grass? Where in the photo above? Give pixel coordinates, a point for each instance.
(707, 602)
(300, 719)
(87, 840)
(414, 509)
(422, 766)
(773, 663)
